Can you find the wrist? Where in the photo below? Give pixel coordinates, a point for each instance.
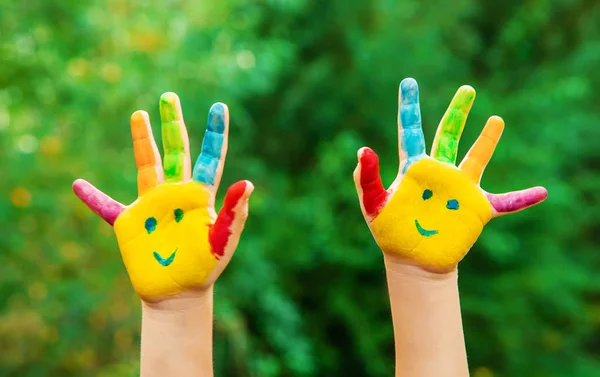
(177, 336)
(400, 268)
(181, 304)
(427, 322)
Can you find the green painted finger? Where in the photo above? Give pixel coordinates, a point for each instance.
(445, 144)
(176, 145)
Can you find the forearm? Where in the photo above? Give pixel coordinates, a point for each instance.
(427, 322)
(177, 337)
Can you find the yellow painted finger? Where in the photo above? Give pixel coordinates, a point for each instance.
(147, 157)
(481, 152)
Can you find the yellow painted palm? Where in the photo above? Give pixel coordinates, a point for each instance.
(171, 239)
(434, 211)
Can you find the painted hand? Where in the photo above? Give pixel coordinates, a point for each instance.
(171, 239)
(434, 211)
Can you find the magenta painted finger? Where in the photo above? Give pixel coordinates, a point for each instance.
(100, 203)
(517, 200)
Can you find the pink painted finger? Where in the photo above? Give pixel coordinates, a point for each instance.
(231, 219)
(100, 203)
(516, 201)
(374, 194)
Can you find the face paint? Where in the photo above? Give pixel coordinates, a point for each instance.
(170, 239)
(420, 221)
(207, 164)
(424, 232)
(411, 133)
(175, 139)
(445, 144)
(165, 252)
(101, 204)
(178, 214)
(452, 204)
(517, 200)
(147, 157)
(165, 261)
(434, 212)
(150, 224)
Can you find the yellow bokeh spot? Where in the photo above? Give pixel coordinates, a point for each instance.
(71, 251)
(78, 68)
(50, 334)
(37, 291)
(552, 340)
(147, 41)
(119, 7)
(20, 197)
(50, 146)
(123, 338)
(97, 321)
(120, 310)
(111, 73)
(483, 372)
(427, 229)
(86, 358)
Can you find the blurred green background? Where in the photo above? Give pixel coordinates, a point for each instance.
(308, 83)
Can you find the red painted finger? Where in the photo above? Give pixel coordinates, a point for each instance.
(517, 200)
(100, 203)
(374, 194)
(231, 218)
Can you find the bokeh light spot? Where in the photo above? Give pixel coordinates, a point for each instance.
(20, 197)
(245, 59)
(27, 144)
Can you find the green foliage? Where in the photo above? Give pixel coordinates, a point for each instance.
(308, 82)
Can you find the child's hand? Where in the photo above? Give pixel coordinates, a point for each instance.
(434, 212)
(170, 238)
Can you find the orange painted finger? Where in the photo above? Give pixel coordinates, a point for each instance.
(147, 157)
(481, 152)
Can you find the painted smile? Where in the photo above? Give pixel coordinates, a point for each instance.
(423, 231)
(163, 261)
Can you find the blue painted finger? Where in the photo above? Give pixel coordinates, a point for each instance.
(207, 164)
(412, 141)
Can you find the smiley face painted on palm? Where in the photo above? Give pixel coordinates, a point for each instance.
(164, 239)
(434, 211)
(434, 216)
(171, 239)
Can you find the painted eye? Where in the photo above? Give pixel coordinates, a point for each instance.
(452, 204)
(150, 224)
(427, 194)
(178, 214)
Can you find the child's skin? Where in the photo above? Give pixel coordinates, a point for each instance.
(425, 223)
(173, 244)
